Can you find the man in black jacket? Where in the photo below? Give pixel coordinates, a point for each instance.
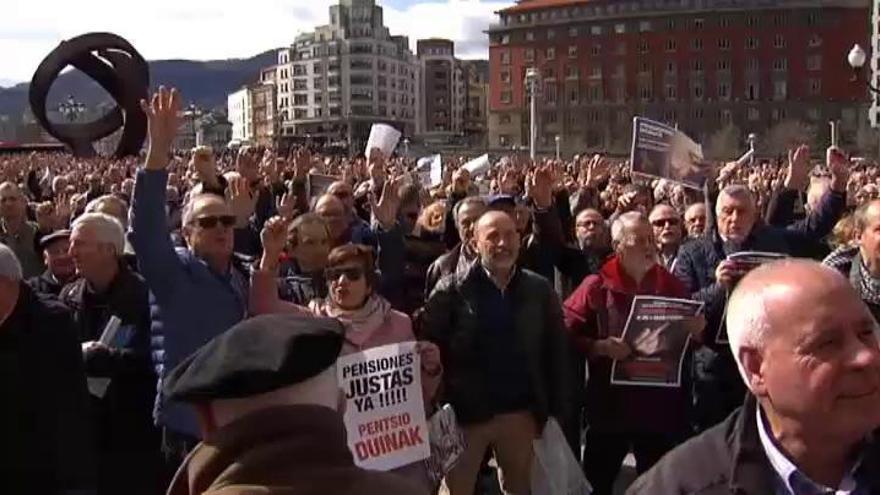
(47, 446)
(808, 350)
(459, 258)
(505, 355)
(709, 276)
(121, 379)
(59, 265)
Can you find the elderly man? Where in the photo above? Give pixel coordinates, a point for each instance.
(359, 230)
(667, 233)
(806, 348)
(332, 210)
(695, 220)
(302, 274)
(17, 232)
(268, 404)
(44, 421)
(459, 259)
(648, 420)
(59, 265)
(860, 264)
(709, 276)
(195, 293)
(505, 355)
(127, 441)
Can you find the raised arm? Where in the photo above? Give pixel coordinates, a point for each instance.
(263, 297)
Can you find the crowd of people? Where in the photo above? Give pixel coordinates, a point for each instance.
(171, 322)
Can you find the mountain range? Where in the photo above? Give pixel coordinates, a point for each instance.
(204, 83)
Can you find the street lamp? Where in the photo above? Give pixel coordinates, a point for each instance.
(558, 139)
(192, 111)
(856, 59)
(406, 147)
(71, 109)
(531, 81)
(751, 140)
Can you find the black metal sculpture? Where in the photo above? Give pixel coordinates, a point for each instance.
(114, 64)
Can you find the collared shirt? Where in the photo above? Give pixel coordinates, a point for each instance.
(790, 480)
(494, 280)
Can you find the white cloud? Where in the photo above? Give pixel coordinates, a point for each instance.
(212, 29)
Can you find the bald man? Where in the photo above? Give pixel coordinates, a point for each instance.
(695, 220)
(806, 348)
(17, 232)
(501, 335)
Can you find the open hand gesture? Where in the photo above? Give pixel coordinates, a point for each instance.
(242, 199)
(274, 238)
(162, 122)
(286, 205)
(798, 173)
(385, 211)
(539, 186)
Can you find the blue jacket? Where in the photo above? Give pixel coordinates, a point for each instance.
(189, 303)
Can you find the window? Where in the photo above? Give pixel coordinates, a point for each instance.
(505, 39)
(753, 65)
(596, 72)
(697, 91)
(530, 36)
(299, 85)
(669, 116)
(644, 68)
(504, 119)
(644, 26)
(643, 46)
(780, 65)
(698, 113)
(815, 87)
(697, 66)
(696, 44)
(698, 24)
(671, 45)
(751, 43)
(573, 96)
(724, 44)
(621, 48)
(646, 92)
(551, 53)
(549, 73)
(813, 19)
(779, 41)
(752, 21)
(779, 20)
(724, 22)
(723, 66)
(754, 114)
(572, 51)
(620, 94)
(752, 91)
(595, 92)
(572, 32)
(724, 91)
(571, 72)
(780, 90)
(530, 54)
(621, 116)
(505, 76)
(300, 100)
(670, 24)
(620, 28)
(551, 34)
(814, 62)
(815, 41)
(671, 92)
(596, 49)
(596, 30)
(503, 140)
(670, 68)
(505, 57)
(506, 97)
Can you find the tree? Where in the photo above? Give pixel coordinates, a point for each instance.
(724, 144)
(788, 134)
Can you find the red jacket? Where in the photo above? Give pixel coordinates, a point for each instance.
(608, 296)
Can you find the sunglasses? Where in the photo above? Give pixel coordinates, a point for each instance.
(663, 222)
(211, 221)
(352, 274)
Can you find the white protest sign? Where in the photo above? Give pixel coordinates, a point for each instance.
(384, 410)
(478, 166)
(430, 170)
(384, 138)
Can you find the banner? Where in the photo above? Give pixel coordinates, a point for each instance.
(384, 409)
(657, 332)
(662, 151)
(430, 170)
(384, 138)
(478, 166)
(745, 262)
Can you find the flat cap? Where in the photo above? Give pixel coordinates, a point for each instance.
(498, 200)
(256, 356)
(54, 236)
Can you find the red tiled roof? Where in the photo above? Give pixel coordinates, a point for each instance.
(529, 5)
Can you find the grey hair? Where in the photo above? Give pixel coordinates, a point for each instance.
(190, 205)
(739, 191)
(108, 229)
(470, 200)
(746, 318)
(9, 266)
(624, 221)
(97, 206)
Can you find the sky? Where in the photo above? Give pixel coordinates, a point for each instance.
(217, 29)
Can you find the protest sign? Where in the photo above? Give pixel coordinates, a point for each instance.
(384, 138)
(318, 184)
(662, 151)
(384, 409)
(657, 332)
(745, 262)
(478, 166)
(447, 443)
(430, 170)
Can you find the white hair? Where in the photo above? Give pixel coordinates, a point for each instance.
(746, 318)
(9, 266)
(738, 191)
(625, 221)
(189, 207)
(107, 228)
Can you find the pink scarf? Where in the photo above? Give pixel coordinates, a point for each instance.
(360, 323)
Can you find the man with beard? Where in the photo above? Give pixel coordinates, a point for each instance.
(667, 233)
(505, 356)
(695, 220)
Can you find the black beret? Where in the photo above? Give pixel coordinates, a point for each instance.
(54, 236)
(256, 356)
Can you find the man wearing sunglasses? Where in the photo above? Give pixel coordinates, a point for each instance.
(666, 224)
(196, 292)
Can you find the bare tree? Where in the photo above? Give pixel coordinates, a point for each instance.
(787, 135)
(724, 144)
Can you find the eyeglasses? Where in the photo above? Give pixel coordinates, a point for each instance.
(211, 221)
(352, 274)
(663, 222)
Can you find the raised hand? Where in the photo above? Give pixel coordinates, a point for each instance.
(274, 238)
(385, 211)
(242, 199)
(539, 186)
(798, 173)
(286, 205)
(302, 163)
(838, 165)
(162, 123)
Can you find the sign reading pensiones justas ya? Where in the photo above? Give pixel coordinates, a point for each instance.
(384, 410)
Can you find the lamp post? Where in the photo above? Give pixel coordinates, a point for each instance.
(751, 140)
(406, 147)
(192, 110)
(558, 139)
(531, 81)
(71, 109)
(856, 59)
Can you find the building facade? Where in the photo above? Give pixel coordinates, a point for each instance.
(702, 65)
(336, 81)
(238, 109)
(476, 111)
(443, 89)
(253, 114)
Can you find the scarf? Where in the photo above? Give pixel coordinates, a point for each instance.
(360, 324)
(866, 285)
